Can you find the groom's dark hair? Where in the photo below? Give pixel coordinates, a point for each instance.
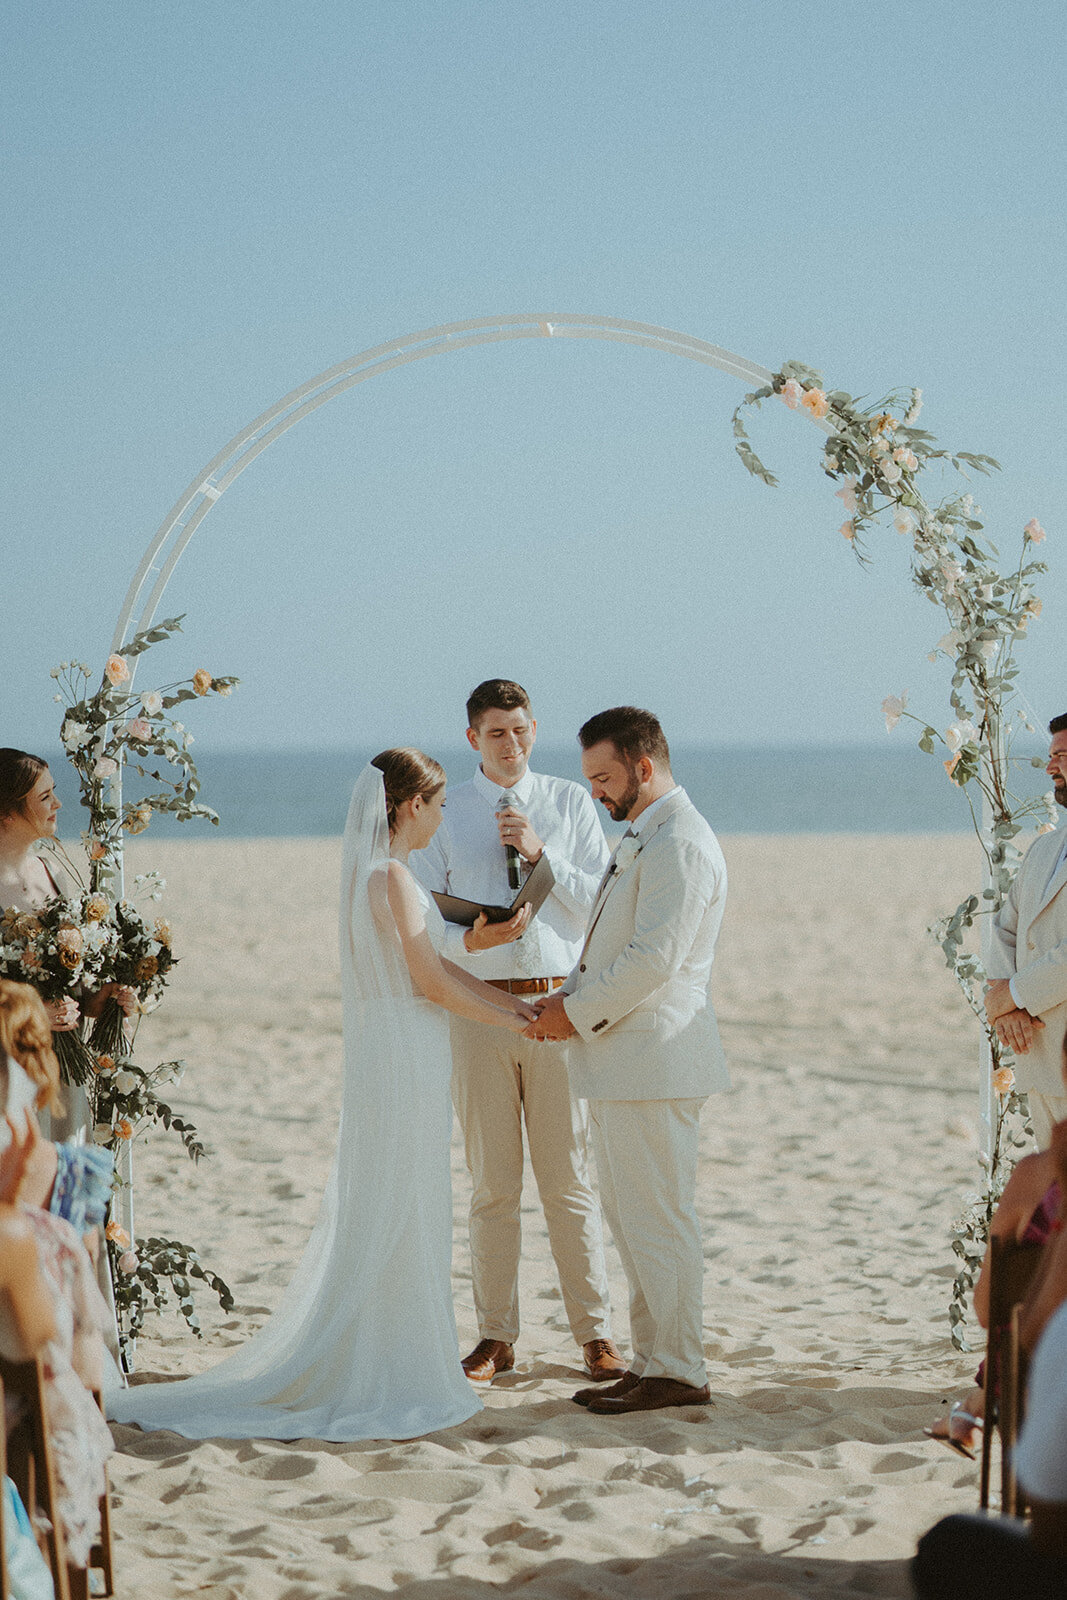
(633, 732)
(496, 694)
(1058, 724)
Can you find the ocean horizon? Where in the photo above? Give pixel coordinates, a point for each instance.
(739, 789)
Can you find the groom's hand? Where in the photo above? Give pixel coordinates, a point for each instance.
(552, 1021)
(998, 1000)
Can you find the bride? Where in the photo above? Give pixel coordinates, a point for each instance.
(363, 1343)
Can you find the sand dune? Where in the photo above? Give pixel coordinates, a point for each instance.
(831, 1173)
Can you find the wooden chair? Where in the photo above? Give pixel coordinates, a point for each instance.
(1012, 1268)
(30, 1465)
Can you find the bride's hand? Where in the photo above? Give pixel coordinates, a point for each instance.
(522, 1015)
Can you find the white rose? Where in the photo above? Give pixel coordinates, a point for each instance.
(626, 855)
(75, 734)
(890, 471)
(152, 702)
(904, 522)
(125, 1081)
(893, 708)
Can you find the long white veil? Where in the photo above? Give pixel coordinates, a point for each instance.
(363, 1342)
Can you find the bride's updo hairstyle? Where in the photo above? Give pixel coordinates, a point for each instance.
(407, 773)
(19, 771)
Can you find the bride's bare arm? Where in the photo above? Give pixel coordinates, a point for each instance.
(438, 980)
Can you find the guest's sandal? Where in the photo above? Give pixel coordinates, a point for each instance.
(961, 1430)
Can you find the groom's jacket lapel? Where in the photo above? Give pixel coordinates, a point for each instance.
(611, 877)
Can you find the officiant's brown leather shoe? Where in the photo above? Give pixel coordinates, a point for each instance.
(488, 1357)
(649, 1394)
(602, 1361)
(628, 1381)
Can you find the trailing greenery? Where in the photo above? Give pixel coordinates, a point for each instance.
(879, 454)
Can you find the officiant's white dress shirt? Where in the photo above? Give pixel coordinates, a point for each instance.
(465, 857)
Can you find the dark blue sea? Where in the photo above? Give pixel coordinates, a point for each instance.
(869, 790)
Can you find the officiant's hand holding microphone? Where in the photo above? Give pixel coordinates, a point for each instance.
(521, 844)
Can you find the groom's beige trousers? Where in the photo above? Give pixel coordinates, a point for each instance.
(646, 1158)
(500, 1082)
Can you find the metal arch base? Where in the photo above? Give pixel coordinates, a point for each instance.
(192, 506)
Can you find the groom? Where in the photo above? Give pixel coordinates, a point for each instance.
(645, 1049)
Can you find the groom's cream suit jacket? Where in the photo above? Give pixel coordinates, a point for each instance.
(1030, 947)
(639, 994)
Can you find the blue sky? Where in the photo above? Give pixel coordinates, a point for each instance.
(209, 204)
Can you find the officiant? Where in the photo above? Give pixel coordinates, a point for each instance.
(497, 827)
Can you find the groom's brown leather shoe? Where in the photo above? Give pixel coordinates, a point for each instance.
(602, 1361)
(488, 1357)
(628, 1381)
(649, 1394)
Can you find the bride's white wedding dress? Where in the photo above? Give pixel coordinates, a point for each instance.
(363, 1343)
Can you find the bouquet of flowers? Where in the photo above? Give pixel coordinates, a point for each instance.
(64, 949)
(139, 959)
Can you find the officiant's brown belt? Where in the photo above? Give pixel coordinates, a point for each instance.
(525, 985)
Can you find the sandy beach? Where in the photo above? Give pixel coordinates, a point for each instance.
(831, 1174)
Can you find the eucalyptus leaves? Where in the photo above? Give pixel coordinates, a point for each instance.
(879, 453)
(103, 732)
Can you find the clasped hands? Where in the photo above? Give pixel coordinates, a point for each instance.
(1014, 1027)
(551, 1021)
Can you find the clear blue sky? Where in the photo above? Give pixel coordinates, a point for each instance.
(207, 204)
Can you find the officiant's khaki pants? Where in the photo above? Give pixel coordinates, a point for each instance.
(500, 1081)
(646, 1161)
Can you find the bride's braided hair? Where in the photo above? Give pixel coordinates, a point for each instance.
(407, 773)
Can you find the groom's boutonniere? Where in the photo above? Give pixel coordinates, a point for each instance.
(626, 855)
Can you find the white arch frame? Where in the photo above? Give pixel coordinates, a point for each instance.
(177, 528)
(165, 549)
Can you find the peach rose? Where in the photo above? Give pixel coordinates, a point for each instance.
(202, 680)
(1003, 1081)
(1034, 531)
(163, 933)
(116, 671)
(815, 403)
(105, 768)
(105, 1065)
(147, 968)
(139, 729)
(96, 907)
(847, 529)
(123, 1128)
(951, 765)
(117, 1235)
(69, 938)
(97, 851)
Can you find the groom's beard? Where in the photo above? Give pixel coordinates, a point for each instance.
(1059, 790)
(620, 809)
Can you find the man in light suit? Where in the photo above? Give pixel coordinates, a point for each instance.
(1027, 998)
(645, 1049)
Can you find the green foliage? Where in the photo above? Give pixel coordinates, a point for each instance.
(879, 457)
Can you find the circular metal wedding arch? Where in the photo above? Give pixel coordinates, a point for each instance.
(192, 506)
(179, 525)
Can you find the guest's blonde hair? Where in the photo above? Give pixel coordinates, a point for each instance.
(26, 1036)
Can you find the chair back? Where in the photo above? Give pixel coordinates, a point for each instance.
(1012, 1268)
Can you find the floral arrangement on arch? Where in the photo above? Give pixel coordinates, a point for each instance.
(99, 937)
(879, 454)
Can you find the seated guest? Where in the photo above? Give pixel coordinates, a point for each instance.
(1026, 1212)
(1001, 1558)
(71, 1180)
(28, 812)
(73, 1352)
